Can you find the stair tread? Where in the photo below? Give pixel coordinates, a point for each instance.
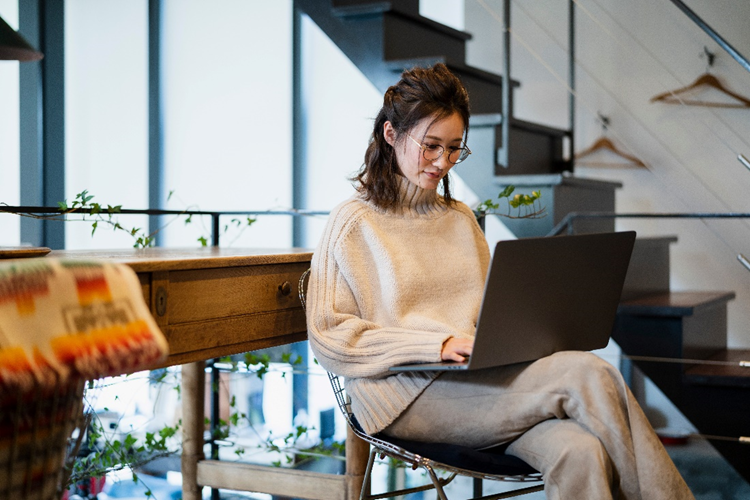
(458, 67)
(390, 8)
(673, 303)
(353, 9)
(722, 374)
(538, 127)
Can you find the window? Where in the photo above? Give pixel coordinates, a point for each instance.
(9, 136)
(339, 106)
(106, 112)
(227, 69)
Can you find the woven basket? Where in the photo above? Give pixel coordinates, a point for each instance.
(34, 430)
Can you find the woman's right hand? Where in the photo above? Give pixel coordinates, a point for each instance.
(455, 349)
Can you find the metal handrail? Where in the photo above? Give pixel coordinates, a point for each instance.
(567, 222)
(215, 215)
(713, 34)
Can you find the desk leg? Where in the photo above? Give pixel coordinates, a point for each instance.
(193, 417)
(357, 454)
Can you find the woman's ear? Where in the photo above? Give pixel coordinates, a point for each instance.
(389, 133)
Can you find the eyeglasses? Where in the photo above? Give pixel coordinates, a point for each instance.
(433, 152)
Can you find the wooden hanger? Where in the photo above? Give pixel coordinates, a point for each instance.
(704, 80)
(604, 144)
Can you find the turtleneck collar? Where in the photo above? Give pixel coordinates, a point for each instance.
(417, 201)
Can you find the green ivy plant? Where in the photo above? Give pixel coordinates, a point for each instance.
(95, 451)
(84, 205)
(527, 206)
(101, 214)
(289, 447)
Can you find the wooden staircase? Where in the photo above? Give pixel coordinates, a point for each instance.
(383, 38)
(655, 322)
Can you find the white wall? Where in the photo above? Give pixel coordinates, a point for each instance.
(626, 53)
(447, 12)
(691, 151)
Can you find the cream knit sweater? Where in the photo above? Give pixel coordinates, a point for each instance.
(389, 287)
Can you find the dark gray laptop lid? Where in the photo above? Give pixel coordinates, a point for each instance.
(544, 295)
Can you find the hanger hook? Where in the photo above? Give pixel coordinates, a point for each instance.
(710, 56)
(604, 121)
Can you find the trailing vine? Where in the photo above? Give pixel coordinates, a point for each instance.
(101, 214)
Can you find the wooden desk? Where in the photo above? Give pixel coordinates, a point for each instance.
(214, 302)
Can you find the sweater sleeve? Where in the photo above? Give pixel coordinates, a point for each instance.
(342, 341)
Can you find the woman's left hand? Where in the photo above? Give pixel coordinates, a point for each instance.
(455, 349)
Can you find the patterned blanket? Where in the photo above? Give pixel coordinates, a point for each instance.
(72, 318)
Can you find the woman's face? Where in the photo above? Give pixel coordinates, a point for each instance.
(447, 133)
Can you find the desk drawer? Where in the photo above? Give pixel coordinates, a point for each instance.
(206, 294)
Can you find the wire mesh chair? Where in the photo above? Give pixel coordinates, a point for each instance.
(492, 464)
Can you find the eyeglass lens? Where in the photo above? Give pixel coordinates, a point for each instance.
(433, 152)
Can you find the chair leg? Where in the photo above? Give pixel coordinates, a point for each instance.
(436, 481)
(366, 484)
(477, 487)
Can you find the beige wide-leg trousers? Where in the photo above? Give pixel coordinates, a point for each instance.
(570, 415)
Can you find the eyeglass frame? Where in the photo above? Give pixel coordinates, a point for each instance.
(448, 158)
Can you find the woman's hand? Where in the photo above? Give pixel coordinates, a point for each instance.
(455, 349)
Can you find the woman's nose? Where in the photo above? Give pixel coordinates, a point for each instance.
(442, 162)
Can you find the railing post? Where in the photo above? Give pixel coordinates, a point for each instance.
(572, 80)
(507, 91)
(215, 229)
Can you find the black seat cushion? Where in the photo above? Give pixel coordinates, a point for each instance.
(490, 461)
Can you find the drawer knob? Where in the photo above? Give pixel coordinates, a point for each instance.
(161, 301)
(285, 288)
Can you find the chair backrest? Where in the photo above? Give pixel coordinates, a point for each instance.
(302, 288)
(342, 399)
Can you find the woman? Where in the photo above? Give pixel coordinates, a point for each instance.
(398, 278)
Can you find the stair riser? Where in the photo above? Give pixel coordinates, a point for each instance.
(403, 38)
(530, 153)
(649, 269)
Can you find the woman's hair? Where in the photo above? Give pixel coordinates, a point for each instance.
(421, 93)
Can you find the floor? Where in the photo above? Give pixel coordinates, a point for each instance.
(708, 475)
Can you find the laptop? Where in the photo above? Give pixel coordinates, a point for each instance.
(545, 295)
